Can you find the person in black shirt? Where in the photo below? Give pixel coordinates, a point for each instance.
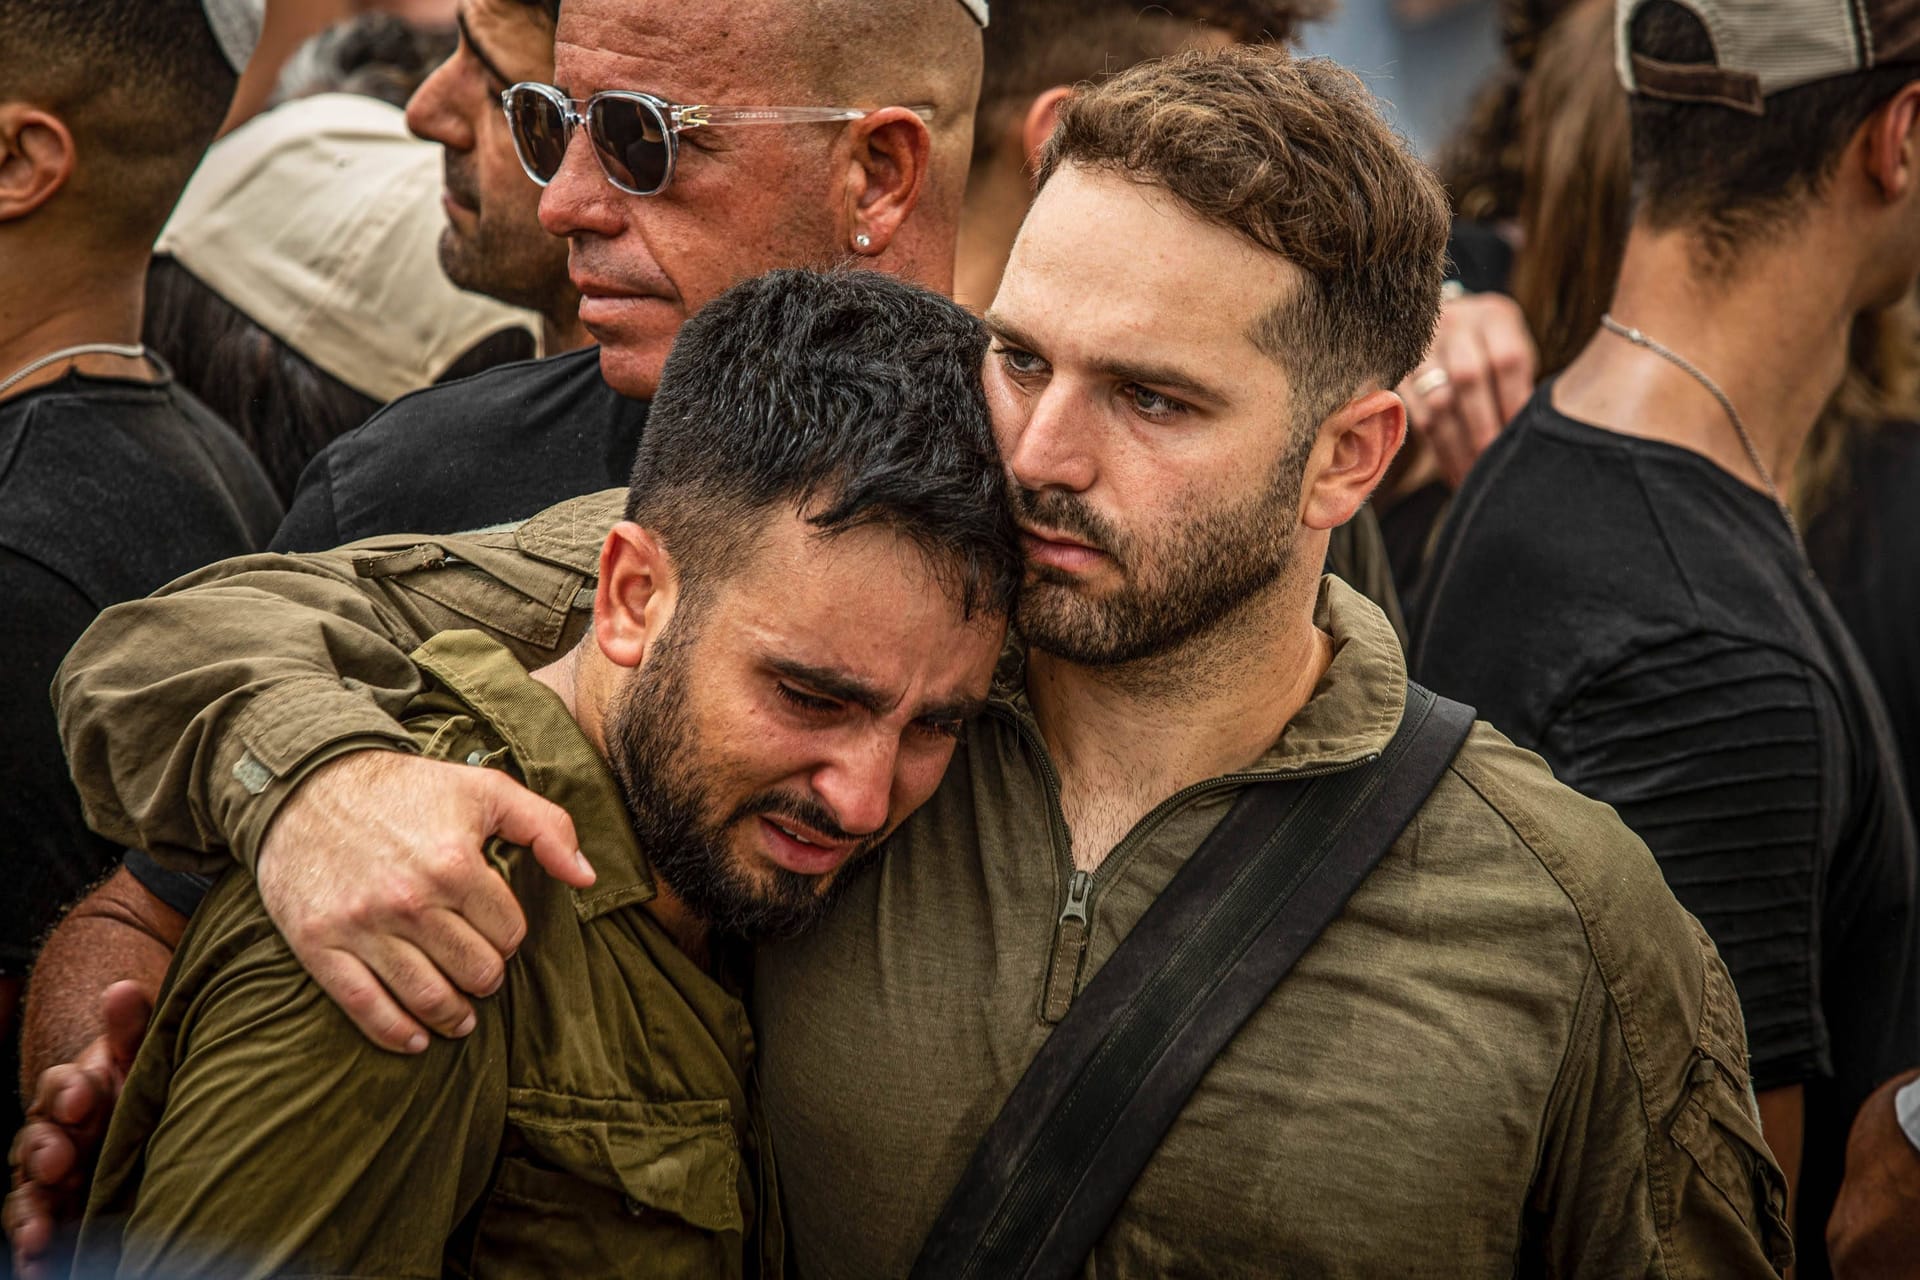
(1619, 588)
(113, 480)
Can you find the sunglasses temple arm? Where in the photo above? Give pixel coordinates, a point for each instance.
(697, 116)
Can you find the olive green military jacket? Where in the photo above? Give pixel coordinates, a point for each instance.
(597, 1121)
(1513, 1053)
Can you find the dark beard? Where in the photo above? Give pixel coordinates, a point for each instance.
(668, 794)
(1172, 591)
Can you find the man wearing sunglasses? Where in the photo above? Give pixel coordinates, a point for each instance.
(1510, 1050)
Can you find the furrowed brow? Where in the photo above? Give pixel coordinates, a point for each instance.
(834, 684)
(1003, 329)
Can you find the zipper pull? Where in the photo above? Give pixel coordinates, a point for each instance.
(1069, 946)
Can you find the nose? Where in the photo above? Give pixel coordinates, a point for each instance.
(1052, 448)
(857, 784)
(580, 200)
(430, 111)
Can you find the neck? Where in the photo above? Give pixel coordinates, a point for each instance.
(1771, 332)
(1216, 704)
(43, 309)
(584, 681)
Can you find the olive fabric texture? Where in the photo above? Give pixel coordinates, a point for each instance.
(1513, 1049)
(598, 1114)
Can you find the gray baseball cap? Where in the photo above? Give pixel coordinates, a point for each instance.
(1762, 47)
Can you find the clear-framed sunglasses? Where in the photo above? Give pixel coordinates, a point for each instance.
(636, 136)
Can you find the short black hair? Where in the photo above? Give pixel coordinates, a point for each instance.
(1032, 46)
(142, 84)
(1734, 176)
(847, 394)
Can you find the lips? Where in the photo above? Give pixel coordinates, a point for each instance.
(1057, 551)
(800, 849)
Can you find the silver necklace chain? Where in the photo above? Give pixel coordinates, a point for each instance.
(133, 352)
(1686, 366)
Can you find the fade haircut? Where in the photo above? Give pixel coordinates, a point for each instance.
(142, 84)
(1032, 46)
(1734, 177)
(847, 395)
(1293, 154)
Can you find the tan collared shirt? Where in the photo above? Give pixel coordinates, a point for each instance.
(597, 1122)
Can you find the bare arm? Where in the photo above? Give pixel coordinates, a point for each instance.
(1783, 1116)
(119, 932)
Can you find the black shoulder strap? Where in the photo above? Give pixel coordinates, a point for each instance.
(1092, 1107)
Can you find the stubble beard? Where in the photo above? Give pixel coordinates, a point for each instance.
(1176, 586)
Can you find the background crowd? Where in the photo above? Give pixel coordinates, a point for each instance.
(288, 256)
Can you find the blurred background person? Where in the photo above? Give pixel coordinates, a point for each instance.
(115, 478)
(298, 286)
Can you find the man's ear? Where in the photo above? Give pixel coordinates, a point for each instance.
(1893, 144)
(1043, 113)
(636, 595)
(1351, 457)
(36, 158)
(891, 149)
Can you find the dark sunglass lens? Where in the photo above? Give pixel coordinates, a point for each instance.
(632, 138)
(539, 132)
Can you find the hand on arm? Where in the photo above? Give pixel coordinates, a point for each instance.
(373, 872)
(1478, 374)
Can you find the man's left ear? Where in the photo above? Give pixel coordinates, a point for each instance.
(636, 595)
(1893, 143)
(887, 170)
(1350, 459)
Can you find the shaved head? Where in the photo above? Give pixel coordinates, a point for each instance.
(909, 53)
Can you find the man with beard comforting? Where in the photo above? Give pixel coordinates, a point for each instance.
(851, 542)
(1510, 1052)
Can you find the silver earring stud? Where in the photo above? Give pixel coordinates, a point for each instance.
(863, 241)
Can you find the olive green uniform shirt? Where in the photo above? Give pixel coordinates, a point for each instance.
(1513, 1053)
(597, 1122)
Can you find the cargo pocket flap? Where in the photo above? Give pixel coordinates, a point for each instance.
(678, 1158)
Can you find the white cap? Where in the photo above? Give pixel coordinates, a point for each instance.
(978, 8)
(321, 220)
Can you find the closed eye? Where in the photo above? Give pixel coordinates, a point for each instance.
(805, 701)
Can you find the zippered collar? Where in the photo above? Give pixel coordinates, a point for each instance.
(1350, 717)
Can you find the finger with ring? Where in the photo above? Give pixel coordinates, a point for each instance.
(1431, 381)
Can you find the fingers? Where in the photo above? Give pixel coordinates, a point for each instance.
(523, 818)
(127, 1008)
(45, 1154)
(352, 986)
(29, 1223)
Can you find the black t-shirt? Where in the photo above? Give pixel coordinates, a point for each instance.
(1644, 621)
(1866, 546)
(109, 489)
(499, 446)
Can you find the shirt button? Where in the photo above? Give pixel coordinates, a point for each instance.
(633, 1208)
(474, 757)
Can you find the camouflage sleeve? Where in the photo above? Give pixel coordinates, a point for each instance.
(188, 717)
